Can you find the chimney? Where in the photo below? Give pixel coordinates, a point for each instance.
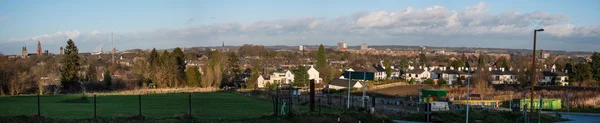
(490, 69)
(502, 69)
(451, 68)
(420, 67)
(510, 69)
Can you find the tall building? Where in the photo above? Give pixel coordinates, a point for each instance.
(24, 52)
(39, 49)
(61, 51)
(301, 48)
(342, 46)
(364, 46)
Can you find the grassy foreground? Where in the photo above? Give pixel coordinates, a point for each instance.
(205, 106)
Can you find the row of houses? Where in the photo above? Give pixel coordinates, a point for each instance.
(497, 76)
(286, 77)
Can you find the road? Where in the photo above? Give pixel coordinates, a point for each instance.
(578, 117)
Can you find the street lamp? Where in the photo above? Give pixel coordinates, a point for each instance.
(533, 72)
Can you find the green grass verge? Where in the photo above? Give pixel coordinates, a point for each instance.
(206, 106)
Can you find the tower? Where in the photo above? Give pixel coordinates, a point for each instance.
(223, 46)
(24, 52)
(61, 51)
(39, 49)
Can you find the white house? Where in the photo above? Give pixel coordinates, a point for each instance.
(558, 77)
(379, 71)
(286, 77)
(262, 81)
(343, 83)
(419, 75)
(503, 77)
(314, 74)
(451, 76)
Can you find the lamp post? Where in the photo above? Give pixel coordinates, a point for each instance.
(533, 72)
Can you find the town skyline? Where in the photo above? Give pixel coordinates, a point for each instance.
(570, 26)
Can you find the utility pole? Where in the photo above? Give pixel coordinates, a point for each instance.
(364, 89)
(113, 45)
(533, 72)
(468, 94)
(349, 79)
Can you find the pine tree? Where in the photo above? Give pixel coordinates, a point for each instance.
(505, 64)
(153, 58)
(321, 57)
(70, 66)
(301, 77)
(107, 79)
(193, 76)
(91, 74)
(596, 67)
(179, 58)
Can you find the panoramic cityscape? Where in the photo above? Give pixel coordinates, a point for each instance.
(300, 61)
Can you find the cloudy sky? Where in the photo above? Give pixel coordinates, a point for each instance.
(570, 25)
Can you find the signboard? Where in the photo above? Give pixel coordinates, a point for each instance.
(360, 75)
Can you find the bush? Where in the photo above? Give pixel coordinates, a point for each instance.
(428, 81)
(413, 81)
(442, 82)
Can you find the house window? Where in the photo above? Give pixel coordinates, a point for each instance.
(497, 78)
(416, 75)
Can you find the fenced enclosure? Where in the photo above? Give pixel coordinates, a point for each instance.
(219, 105)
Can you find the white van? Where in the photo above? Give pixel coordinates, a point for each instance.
(439, 106)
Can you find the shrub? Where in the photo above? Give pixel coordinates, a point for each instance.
(428, 81)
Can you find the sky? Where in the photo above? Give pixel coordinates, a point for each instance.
(146, 24)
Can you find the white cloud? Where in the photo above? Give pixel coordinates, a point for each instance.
(473, 26)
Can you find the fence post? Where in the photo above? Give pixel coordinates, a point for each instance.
(319, 104)
(38, 102)
(95, 106)
(190, 103)
(140, 105)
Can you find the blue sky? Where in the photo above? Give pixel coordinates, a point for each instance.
(193, 23)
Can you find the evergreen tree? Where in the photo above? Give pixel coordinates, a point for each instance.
(582, 72)
(321, 57)
(422, 59)
(179, 62)
(301, 77)
(91, 74)
(456, 64)
(107, 79)
(153, 58)
(234, 72)
(505, 64)
(70, 66)
(322, 66)
(193, 76)
(596, 67)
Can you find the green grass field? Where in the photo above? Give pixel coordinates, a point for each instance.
(223, 106)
